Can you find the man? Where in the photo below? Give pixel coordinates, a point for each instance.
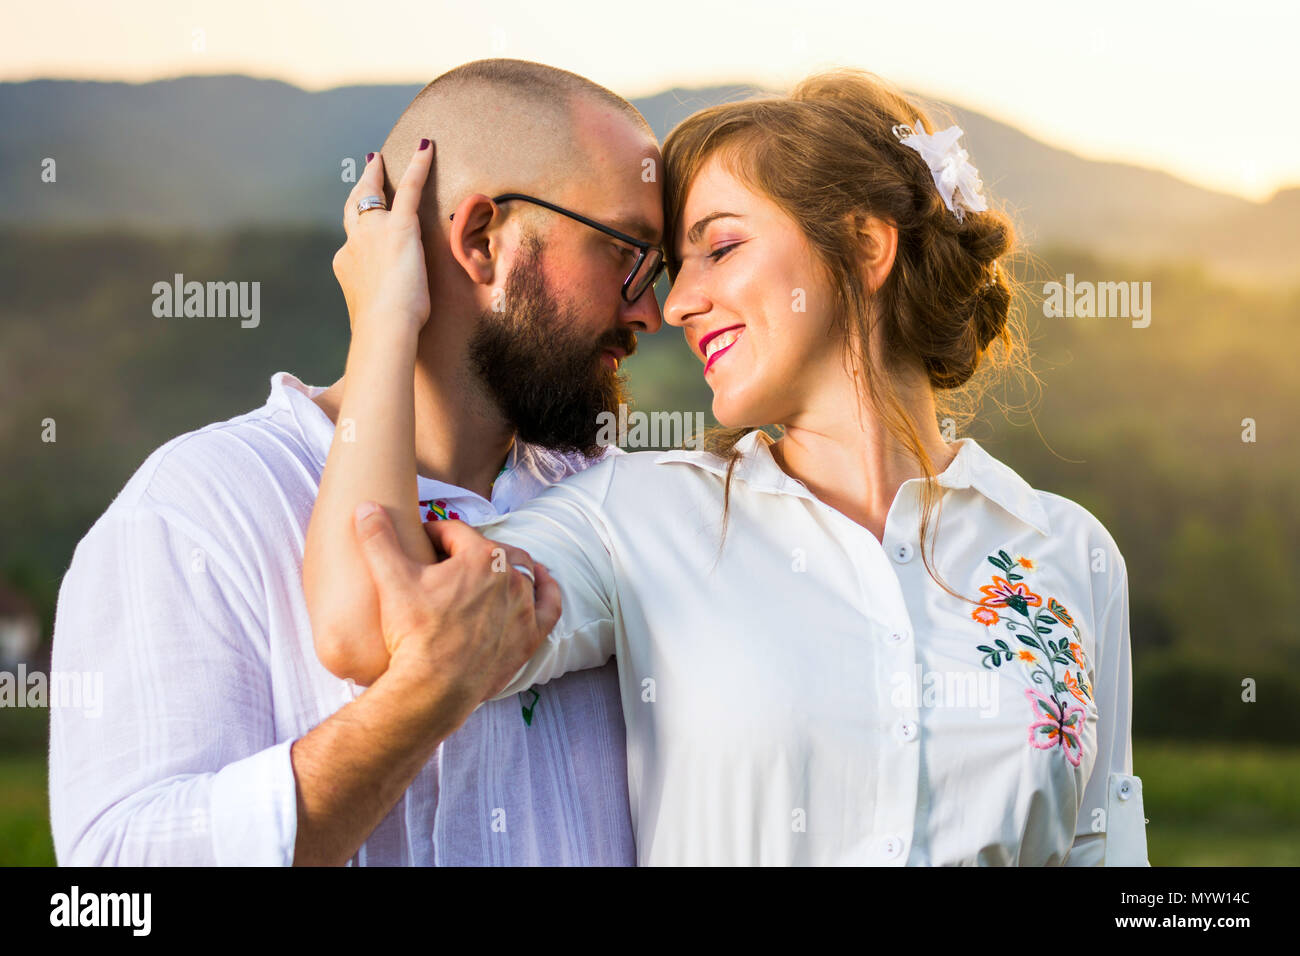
(224, 740)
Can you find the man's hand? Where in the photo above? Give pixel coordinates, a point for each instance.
(469, 622)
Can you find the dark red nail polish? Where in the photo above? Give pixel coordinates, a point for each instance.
(424, 144)
(369, 156)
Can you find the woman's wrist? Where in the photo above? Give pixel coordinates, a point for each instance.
(387, 329)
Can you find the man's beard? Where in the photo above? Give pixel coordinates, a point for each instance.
(547, 378)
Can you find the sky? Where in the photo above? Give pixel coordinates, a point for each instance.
(1202, 90)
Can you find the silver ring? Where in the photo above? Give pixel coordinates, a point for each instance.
(526, 571)
(371, 202)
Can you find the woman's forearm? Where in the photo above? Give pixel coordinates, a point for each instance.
(372, 457)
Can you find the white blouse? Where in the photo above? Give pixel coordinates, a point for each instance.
(816, 698)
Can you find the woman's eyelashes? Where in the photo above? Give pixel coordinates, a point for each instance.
(717, 255)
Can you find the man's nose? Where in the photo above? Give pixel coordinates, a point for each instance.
(644, 315)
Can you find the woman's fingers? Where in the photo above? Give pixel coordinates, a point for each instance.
(407, 200)
(371, 183)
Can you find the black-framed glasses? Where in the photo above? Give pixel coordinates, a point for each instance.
(649, 263)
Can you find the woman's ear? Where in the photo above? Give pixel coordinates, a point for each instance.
(471, 240)
(878, 241)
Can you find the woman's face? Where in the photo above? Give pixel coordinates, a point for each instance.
(750, 283)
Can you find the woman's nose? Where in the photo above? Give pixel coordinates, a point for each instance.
(684, 300)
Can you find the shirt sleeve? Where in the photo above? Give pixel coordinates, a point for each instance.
(169, 755)
(1111, 812)
(563, 528)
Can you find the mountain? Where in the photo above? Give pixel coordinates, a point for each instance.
(210, 153)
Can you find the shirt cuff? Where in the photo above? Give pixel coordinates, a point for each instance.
(254, 810)
(1126, 832)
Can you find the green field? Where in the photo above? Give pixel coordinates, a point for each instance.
(1208, 805)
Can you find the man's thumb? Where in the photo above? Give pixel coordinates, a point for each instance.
(379, 546)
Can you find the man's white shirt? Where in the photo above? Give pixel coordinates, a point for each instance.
(186, 596)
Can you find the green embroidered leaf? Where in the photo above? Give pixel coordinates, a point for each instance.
(985, 648)
(998, 564)
(1043, 630)
(1047, 617)
(1014, 577)
(1060, 687)
(1025, 640)
(1005, 557)
(1002, 644)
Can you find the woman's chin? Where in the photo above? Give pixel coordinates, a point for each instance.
(731, 413)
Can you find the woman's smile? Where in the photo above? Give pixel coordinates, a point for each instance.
(719, 344)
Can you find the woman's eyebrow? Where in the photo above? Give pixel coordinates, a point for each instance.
(697, 230)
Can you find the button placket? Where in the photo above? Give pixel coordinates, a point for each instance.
(898, 766)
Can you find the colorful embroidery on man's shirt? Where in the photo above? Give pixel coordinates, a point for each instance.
(437, 509)
(1057, 719)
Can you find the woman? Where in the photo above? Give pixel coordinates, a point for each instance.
(826, 653)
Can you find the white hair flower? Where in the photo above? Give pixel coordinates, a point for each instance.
(956, 179)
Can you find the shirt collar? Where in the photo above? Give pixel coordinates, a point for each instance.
(973, 467)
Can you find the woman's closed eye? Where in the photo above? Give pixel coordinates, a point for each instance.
(717, 255)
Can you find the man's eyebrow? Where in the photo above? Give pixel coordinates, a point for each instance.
(636, 226)
(697, 231)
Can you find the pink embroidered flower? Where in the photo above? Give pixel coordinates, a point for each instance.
(985, 615)
(1056, 725)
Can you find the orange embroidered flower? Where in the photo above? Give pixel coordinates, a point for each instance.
(1059, 612)
(1072, 686)
(985, 615)
(1002, 593)
(1026, 563)
(1076, 651)
(1027, 657)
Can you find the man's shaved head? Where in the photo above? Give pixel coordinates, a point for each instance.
(503, 126)
(530, 316)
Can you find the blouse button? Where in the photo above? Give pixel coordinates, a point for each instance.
(902, 552)
(1125, 790)
(906, 730)
(891, 847)
(896, 637)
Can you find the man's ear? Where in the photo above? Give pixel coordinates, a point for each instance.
(878, 242)
(472, 240)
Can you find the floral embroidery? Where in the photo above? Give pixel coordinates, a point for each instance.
(438, 510)
(1058, 663)
(528, 711)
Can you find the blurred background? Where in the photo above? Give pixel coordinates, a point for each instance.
(213, 140)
